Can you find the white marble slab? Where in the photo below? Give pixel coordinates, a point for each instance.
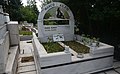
(4, 47)
(26, 68)
(80, 68)
(2, 30)
(12, 60)
(13, 29)
(54, 58)
(25, 64)
(14, 39)
(31, 72)
(25, 55)
(2, 18)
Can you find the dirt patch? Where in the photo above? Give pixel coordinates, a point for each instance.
(79, 48)
(27, 59)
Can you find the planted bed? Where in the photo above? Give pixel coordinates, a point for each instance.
(52, 47)
(78, 47)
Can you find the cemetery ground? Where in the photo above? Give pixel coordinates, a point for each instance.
(26, 64)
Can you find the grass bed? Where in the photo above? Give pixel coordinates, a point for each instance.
(52, 47)
(25, 32)
(79, 48)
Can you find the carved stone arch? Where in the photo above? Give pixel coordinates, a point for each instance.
(41, 27)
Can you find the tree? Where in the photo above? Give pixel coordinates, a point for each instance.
(32, 5)
(28, 14)
(13, 8)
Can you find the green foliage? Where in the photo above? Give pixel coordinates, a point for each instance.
(25, 32)
(32, 5)
(79, 48)
(45, 2)
(13, 8)
(56, 22)
(52, 47)
(23, 28)
(47, 22)
(19, 13)
(47, 16)
(28, 14)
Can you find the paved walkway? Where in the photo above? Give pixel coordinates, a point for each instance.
(116, 69)
(26, 64)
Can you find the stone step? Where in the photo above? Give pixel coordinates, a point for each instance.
(25, 64)
(31, 72)
(26, 69)
(25, 55)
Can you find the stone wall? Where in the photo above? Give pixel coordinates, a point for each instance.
(4, 42)
(9, 35)
(4, 48)
(2, 30)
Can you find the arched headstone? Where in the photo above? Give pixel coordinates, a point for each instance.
(55, 18)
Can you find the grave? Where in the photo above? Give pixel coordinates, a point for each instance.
(56, 24)
(49, 23)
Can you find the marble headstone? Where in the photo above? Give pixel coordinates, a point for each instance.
(53, 25)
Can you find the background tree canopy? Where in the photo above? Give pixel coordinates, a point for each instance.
(18, 12)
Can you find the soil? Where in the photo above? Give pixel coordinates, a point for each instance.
(27, 59)
(79, 48)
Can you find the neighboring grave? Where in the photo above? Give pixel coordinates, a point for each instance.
(55, 18)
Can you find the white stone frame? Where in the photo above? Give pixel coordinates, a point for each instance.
(42, 33)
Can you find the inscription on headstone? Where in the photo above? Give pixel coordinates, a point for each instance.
(58, 37)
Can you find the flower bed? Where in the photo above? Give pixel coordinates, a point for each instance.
(52, 47)
(79, 48)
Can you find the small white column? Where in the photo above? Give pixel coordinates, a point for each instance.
(67, 49)
(6, 17)
(14, 33)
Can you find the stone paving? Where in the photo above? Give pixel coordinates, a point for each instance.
(26, 50)
(115, 70)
